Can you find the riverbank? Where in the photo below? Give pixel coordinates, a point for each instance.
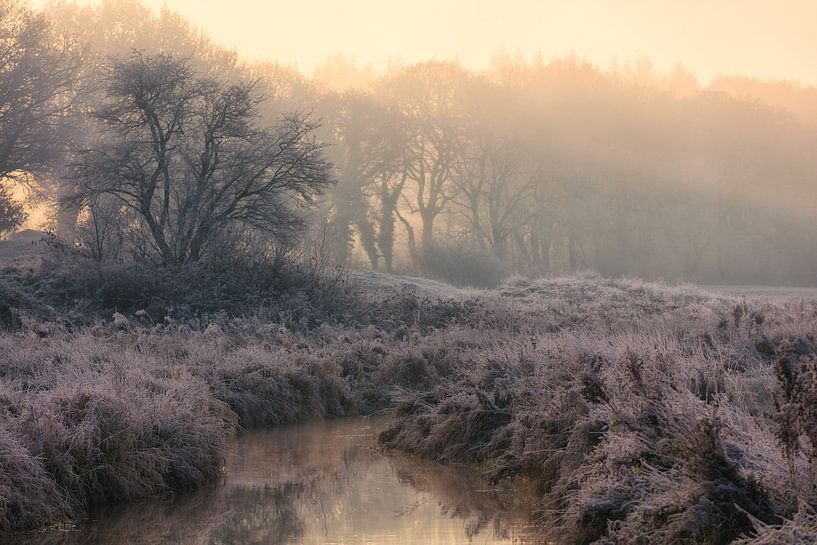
(318, 482)
(643, 411)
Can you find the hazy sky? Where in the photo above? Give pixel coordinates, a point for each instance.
(765, 38)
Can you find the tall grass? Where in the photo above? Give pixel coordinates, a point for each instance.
(645, 414)
(102, 416)
(642, 413)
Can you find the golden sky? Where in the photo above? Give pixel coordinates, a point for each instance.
(763, 38)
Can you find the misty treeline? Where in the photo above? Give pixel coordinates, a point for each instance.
(158, 145)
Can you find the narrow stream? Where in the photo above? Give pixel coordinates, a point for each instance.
(319, 483)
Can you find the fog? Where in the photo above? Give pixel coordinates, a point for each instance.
(469, 146)
(572, 245)
(763, 38)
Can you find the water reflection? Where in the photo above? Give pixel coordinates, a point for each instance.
(321, 483)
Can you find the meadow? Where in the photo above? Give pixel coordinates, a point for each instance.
(640, 412)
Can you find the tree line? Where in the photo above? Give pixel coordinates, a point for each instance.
(157, 145)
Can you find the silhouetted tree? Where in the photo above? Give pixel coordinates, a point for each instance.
(427, 96)
(185, 154)
(37, 88)
(12, 214)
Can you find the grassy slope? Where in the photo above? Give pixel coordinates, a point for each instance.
(648, 405)
(647, 414)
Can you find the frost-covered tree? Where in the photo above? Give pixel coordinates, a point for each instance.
(37, 87)
(185, 154)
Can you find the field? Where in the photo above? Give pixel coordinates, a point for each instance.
(642, 413)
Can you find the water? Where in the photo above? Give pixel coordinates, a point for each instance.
(321, 483)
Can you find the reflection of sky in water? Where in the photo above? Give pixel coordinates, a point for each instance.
(321, 483)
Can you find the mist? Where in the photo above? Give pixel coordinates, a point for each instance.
(544, 272)
(528, 165)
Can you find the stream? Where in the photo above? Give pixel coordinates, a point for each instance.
(318, 483)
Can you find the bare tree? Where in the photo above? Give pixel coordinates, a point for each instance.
(428, 96)
(184, 152)
(355, 152)
(388, 189)
(37, 89)
(491, 190)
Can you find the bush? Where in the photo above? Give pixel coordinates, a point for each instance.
(185, 293)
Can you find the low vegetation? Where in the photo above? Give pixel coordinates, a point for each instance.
(642, 413)
(146, 336)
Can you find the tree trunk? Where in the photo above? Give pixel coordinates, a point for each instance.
(385, 239)
(367, 238)
(428, 233)
(412, 241)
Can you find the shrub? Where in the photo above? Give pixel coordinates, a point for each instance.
(184, 293)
